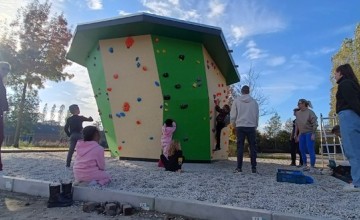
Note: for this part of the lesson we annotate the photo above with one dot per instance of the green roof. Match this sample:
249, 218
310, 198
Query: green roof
87, 36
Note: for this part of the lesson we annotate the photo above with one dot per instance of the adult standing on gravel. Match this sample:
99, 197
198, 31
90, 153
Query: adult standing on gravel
244, 116
348, 109
4, 70
306, 126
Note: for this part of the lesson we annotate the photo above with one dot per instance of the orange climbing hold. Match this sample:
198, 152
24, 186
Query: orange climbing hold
119, 147
109, 89
138, 122
126, 107
129, 42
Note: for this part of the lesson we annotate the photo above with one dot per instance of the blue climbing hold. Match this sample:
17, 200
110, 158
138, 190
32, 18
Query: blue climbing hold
157, 83
120, 114
111, 50
138, 64
139, 99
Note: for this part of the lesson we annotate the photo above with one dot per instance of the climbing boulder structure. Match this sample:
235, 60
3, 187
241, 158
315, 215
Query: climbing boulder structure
145, 69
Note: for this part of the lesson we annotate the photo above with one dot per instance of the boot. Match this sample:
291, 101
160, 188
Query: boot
56, 199
67, 191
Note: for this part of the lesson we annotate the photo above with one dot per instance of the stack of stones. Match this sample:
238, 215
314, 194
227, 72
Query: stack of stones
108, 208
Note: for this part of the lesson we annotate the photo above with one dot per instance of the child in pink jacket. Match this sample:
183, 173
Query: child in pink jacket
166, 137
89, 165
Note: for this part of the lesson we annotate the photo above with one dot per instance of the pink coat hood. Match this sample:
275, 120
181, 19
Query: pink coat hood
89, 156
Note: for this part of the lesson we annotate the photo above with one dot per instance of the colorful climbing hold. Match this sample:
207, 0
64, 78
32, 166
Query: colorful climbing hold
198, 61
129, 42
177, 86
165, 75
116, 76
137, 59
111, 50
123, 142
126, 107
157, 83
120, 114
138, 99
167, 97
110, 116
161, 106
109, 89
156, 40
166, 104
144, 68
181, 57
184, 106
194, 85
157, 51
138, 64
151, 138
164, 51
138, 122
185, 139
119, 147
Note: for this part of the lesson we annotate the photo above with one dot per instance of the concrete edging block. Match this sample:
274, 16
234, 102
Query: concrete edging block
31, 187
95, 195
288, 216
203, 210
6, 183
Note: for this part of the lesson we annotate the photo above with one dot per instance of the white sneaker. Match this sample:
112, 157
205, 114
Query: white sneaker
351, 188
306, 168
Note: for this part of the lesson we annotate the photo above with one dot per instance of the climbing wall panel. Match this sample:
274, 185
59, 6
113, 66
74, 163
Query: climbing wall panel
134, 90
94, 63
217, 89
184, 89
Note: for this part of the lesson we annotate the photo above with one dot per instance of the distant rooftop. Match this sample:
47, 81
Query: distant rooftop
87, 36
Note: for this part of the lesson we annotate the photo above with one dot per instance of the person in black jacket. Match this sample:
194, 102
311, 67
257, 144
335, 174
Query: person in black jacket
294, 144
175, 159
220, 121
73, 129
4, 70
348, 109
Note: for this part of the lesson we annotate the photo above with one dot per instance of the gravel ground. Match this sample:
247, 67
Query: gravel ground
215, 183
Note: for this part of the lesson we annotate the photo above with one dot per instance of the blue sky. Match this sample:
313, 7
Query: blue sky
289, 43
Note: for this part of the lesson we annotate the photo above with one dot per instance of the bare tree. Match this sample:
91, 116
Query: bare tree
52, 113
61, 113
44, 113
251, 79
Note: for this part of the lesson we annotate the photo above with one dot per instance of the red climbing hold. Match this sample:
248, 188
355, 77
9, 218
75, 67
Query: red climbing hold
144, 68
129, 42
138, 122
119, 147
116, 76
218, 94
126, 107
109, 89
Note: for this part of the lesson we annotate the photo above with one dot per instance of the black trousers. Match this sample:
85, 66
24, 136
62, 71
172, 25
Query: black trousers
219, 127
294, 148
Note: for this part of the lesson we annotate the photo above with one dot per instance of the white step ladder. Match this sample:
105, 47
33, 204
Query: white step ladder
330, 143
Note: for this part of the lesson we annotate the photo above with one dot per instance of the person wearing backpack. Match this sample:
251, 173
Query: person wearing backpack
222, 120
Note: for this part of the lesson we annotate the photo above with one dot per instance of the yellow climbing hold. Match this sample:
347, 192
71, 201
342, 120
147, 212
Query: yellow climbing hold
194, 85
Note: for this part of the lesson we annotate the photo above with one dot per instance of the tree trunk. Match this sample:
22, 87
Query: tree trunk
20, 115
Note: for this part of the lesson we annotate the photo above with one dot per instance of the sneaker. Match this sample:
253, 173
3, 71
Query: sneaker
306, 168
300, 166
253, 170
238, 170
293, 164
351, 188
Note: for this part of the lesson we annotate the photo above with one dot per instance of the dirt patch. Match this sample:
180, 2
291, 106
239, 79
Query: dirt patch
21, 206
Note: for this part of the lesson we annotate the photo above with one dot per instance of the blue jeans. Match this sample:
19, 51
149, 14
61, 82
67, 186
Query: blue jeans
250, 134
350, 137
307, 145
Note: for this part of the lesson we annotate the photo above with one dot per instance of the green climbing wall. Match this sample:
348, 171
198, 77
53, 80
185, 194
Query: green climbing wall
184, 87
96, 73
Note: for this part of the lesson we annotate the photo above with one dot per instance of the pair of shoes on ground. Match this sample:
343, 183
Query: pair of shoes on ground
351, 188
239, 170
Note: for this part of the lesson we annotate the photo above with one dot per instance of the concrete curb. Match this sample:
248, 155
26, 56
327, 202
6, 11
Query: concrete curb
188, 208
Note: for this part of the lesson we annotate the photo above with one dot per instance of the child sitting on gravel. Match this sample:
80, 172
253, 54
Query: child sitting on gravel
175, 157
167, 131
89, 165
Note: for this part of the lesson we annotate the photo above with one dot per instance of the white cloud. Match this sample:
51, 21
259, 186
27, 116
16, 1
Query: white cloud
95, 4
238, 19
276, 61
216, 8
253, 52
123, 13
321, 51
9, 8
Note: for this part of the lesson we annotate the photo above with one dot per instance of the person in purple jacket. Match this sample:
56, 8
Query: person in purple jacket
167, 130
89, 165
